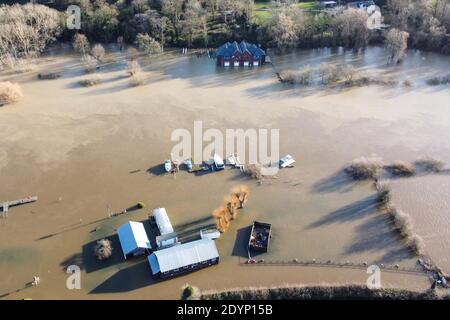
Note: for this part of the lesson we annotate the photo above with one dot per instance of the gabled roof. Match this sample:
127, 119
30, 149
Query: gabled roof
228, 49
182, 255
132, 236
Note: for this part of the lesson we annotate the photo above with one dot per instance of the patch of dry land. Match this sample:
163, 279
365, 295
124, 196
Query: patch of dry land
84, 149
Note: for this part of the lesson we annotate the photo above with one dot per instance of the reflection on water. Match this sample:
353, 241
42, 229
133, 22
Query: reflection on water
418, 65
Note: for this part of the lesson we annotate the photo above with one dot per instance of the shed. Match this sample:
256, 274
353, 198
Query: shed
183, 258
162, 221
133, 239
167, 240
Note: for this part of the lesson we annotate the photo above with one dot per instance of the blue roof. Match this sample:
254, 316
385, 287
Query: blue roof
132, 236
228, 49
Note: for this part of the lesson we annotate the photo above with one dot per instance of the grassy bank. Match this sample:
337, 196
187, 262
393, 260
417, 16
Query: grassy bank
320, 292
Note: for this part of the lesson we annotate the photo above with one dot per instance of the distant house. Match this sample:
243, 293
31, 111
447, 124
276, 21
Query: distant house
183, 258
328, 4
167, 236
242, 54
133, 239
360, 4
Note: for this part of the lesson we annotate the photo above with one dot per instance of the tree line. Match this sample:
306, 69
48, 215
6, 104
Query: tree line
151, 24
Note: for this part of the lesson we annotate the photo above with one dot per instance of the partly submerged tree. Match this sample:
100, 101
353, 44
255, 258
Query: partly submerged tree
396, 44
147, 44
80, 43
9, 93
103, 249
284, 31
353, 28
98, 52
242, 193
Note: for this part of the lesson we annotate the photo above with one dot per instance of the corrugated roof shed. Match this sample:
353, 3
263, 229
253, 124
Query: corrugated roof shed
132, 236
182, 255
162, 221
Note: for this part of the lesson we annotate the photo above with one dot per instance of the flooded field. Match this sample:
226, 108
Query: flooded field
84, 150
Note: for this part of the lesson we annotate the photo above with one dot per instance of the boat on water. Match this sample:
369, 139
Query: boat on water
231, 160
287, 161
218, 162
168, 165
188, 164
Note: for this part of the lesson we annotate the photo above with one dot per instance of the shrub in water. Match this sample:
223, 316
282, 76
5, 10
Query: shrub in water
364, 168
401, 168
9, 93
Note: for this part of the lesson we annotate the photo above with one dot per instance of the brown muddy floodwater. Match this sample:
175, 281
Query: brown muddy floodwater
84, 149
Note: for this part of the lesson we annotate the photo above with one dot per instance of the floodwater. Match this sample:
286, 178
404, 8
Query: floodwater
84, 150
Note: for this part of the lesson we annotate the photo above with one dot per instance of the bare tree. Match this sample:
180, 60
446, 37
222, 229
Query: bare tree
348, 72
27, 29
89, 62
98, 52
80, 43
328, 73
396, 44
9, 93
133, 67
402, 10
284, 31
103, 249
241, 192
353, 28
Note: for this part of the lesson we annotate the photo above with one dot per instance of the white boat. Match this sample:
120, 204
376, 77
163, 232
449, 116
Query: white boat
167, 165
231, 160
188, 164
218, 161
238, 162
209, 234
287, 161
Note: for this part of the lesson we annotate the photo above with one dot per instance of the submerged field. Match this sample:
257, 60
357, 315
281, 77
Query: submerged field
82, 150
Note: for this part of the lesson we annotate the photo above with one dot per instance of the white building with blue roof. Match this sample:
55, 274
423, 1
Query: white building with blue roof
133, 239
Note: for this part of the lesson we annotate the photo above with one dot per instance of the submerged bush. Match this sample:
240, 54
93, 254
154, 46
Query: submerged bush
98, 52
103, 249
9, 93
89, 62
402, 222
364, 168
133, 67
401, 168
384, 195
254, 171
91, 81
407, 83
415, 243
435, 81
302, 76
137, 79
430, 164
